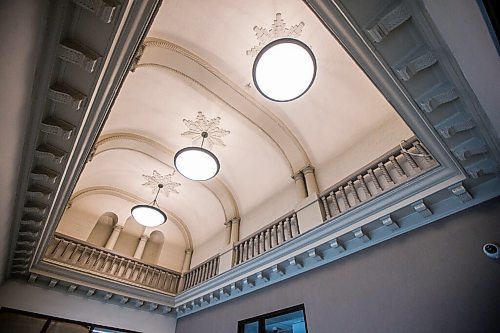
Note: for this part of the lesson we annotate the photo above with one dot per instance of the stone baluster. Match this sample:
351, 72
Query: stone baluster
133, 271
241, 248
355, 194
216, 269
385, 173
279, 229
75, 250
125, 269
263, 241
235, 256
112, 265
82, 255
250, 248
289, 224
187, 283
256, 244
326, 207
245, 250
364, 187
375, 181
96, 262
421, 150
347, 204
269, 237
296, 223
168, 278
139, 272
410, 160
89, 257
206, 271
196, 273
272, 236
397, 167
65, 249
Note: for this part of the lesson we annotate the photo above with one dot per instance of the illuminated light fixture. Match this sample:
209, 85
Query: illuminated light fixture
197, 163
149, 215
284, 70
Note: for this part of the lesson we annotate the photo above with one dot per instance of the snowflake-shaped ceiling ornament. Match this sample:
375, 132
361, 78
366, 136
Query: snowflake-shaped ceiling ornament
278, 30
157, 179
203, 126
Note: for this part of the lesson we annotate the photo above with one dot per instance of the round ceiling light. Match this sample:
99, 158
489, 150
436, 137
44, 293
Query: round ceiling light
196, 163
284, 70
149, 215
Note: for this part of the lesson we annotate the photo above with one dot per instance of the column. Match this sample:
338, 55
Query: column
110, 244
300, 185
235, 230
185, 268
140, 247
187, 260
312, 186
228, 231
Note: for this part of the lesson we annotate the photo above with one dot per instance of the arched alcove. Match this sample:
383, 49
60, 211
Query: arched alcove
102, 229
153, 247
129, 237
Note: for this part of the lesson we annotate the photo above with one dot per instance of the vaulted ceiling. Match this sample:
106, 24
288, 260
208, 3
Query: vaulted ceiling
194, 60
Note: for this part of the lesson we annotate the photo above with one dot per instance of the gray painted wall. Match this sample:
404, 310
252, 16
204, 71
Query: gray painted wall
434, 279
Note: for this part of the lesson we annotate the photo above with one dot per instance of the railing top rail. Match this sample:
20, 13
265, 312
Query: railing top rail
203, 263
283, 217
112, 253
372, 165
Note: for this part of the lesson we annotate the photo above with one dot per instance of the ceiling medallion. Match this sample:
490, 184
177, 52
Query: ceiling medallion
284, 67
278, 30
166, 181
198, 163
201, 125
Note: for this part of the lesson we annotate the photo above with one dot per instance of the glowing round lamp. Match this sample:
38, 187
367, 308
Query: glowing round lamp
149, 215
196, 163
284, 70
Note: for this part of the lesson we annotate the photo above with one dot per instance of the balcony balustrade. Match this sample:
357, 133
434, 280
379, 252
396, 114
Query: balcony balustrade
102, 262
202, 272
267, 238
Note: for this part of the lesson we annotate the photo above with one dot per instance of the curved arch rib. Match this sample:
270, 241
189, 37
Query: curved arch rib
157, 151
113, 191
167, 55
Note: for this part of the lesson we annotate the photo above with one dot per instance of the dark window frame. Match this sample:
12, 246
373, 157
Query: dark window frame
262, 318
52, 318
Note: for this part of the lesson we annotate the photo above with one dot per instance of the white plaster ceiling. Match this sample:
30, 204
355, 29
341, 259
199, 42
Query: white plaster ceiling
340, 124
